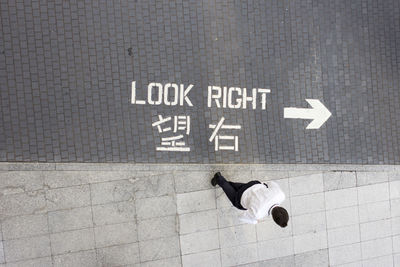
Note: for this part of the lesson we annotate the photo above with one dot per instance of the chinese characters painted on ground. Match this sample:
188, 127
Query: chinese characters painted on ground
217, 137
173, 142
182, 124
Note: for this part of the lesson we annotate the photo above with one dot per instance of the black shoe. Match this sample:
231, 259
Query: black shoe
214, 179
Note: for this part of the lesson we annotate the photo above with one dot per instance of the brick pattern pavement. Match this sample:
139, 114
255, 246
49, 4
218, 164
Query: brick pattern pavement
66, 69
81, 215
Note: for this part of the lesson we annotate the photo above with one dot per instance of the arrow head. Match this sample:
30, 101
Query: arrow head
321, 114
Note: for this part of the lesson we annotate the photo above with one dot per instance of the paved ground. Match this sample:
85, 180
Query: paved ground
88, 81
158, 215
66, 69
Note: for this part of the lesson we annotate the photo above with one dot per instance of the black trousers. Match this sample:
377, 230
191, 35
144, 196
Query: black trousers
234, 191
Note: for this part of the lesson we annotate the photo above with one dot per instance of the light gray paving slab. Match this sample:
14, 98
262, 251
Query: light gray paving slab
258, 263
177, 167
29, 166
237, 235
26, 248
373, 193
114, 191
344, 235
306, 223
394, 189
112, 213
25, 226
209, 258
196, 201
341, 198
396, 259
345, 254
307, 184
155, 207
299, 172
115, 234
380, 261
199, 242
102, 167
312, 258
275, 248
198, 221
339, 180
158, 228
396, 244
133, 174
72, 241
2, 259
22, 204
71, 219
233, 256
153, 186
375, 229
229, 217
267, 175
366, 178
170, 262
351, 264
395, 207
38, 262
394, 175
287, 261
159, 248
69, 197
56, 179
376, 248
4, 166
396, 226
307, 203
268, 229
374, 211
342, 217
12, 182
192, 181
119, 255
82, 258
310, 241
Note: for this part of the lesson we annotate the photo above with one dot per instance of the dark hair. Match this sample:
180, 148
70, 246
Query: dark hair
280, 216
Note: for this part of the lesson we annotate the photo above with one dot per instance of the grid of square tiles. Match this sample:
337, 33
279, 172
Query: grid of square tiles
88, 219
118, 218
337, 218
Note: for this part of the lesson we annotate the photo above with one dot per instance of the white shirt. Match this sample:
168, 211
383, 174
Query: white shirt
259, 199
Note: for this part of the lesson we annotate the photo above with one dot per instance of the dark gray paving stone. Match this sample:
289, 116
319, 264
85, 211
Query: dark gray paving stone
66, 69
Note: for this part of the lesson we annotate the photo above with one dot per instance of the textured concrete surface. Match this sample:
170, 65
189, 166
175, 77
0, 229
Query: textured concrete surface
160, 215
66, 69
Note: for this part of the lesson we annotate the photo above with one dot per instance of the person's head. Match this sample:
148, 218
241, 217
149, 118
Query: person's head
280, 216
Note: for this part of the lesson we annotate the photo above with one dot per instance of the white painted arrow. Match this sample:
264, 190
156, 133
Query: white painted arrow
318, 113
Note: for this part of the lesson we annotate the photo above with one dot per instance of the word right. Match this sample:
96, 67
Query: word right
236, 97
